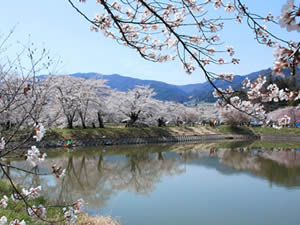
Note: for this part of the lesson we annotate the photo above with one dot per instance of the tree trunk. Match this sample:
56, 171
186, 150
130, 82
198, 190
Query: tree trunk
82, 120
160, 156
70, 122
161, 122
133, 118
100, 120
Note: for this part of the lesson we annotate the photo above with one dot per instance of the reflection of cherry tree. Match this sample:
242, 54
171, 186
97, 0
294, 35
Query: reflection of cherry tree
289, 159
98, 178
279, 167
241, 161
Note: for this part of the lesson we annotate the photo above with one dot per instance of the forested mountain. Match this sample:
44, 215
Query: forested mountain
204, 93
122, 83
201, 92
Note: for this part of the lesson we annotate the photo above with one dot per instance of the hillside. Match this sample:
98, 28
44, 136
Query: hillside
192, 93
203, 92
164, 91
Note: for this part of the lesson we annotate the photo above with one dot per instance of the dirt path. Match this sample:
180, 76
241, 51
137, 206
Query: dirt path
189, 131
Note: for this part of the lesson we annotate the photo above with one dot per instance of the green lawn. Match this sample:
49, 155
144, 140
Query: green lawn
122, 132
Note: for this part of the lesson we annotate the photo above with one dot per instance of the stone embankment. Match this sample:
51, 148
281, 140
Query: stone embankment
280, 138
148, 140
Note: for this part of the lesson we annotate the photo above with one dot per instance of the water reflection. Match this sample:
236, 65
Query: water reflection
279, 166
98, 176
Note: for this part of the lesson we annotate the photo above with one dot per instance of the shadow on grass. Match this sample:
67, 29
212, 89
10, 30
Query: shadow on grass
237, 130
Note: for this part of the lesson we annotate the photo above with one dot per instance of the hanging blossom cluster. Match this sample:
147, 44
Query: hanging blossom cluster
289, 18
226, 76
78, 206
70, 213
257, 94
163, 31
3, 202
3, 220
252, 109
34, 156
286, 52
219, 92
40, 131
17, 222
39, 212
58, 171
286, 57
257, 91
31, 193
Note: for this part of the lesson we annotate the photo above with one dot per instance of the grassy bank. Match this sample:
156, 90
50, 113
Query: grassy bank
256, 130
269, 130
16, 210
79, 133
117, 132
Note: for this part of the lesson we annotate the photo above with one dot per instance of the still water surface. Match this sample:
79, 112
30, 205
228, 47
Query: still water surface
180, 184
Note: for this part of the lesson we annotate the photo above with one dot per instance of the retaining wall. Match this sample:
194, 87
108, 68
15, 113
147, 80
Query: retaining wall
121, 141
280, 138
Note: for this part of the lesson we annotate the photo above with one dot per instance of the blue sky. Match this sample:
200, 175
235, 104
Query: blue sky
53, 24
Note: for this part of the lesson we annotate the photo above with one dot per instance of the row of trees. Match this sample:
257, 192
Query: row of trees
66, 101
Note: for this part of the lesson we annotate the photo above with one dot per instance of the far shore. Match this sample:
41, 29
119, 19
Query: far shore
78, 137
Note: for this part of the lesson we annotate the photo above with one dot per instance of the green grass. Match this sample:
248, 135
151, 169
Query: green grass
122, 132
79, 133
270, 130
234, 130
17, 210
256, 130
269, 145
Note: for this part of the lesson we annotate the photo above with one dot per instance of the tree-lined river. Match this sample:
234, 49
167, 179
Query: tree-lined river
179, 184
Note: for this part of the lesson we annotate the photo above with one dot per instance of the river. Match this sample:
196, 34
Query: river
178, 184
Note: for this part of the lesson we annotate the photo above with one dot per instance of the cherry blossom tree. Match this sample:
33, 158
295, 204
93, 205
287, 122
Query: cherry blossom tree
65, 95
165, 112
99, 101
22, 98
234, 117
136, 104
190, 116
90, 92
